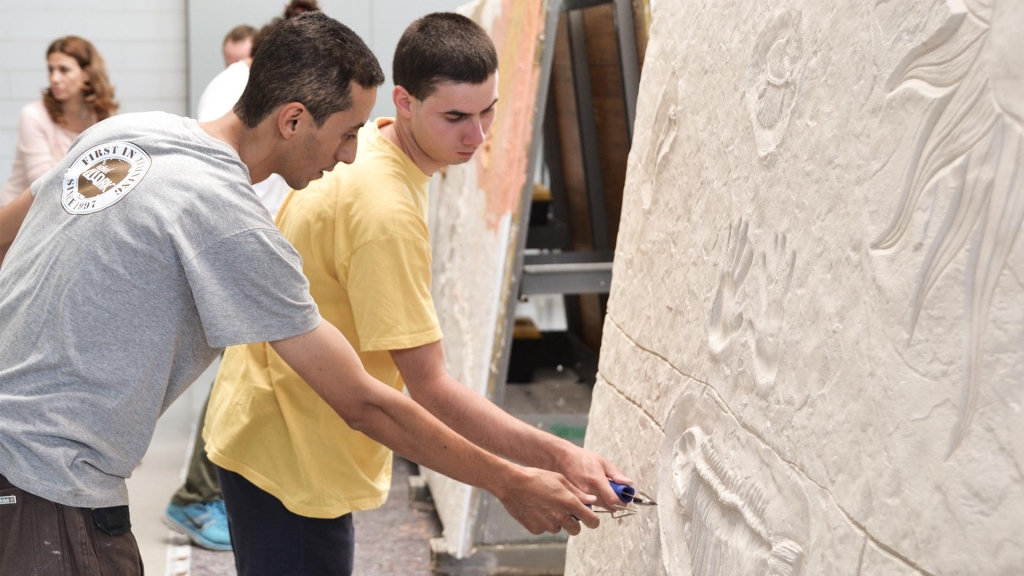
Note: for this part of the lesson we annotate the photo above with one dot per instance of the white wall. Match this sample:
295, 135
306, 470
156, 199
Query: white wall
143, 42
161, 53
209, 22
379, 22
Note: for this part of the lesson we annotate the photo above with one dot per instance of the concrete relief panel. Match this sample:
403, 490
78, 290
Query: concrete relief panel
727, 502
821, 232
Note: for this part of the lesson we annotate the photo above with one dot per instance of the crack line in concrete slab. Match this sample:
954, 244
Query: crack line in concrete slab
636, 404
860, 559
725, 407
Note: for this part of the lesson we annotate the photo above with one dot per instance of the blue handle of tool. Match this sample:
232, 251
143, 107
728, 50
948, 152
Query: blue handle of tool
625, 493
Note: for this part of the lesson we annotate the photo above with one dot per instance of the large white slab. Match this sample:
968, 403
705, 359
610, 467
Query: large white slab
821, 231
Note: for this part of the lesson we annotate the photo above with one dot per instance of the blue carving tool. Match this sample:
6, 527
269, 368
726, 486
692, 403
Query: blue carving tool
628, 495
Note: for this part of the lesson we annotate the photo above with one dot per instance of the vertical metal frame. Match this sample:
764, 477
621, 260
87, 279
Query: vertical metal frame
553, 159
588, 131
629, 60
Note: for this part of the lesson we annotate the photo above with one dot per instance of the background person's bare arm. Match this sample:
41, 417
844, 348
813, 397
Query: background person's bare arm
539, 500
490, 427
11, 217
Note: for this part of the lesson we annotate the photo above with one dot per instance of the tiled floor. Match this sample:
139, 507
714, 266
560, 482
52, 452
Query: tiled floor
390, 541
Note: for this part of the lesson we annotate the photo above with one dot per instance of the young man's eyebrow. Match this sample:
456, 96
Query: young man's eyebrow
461, 113
358, 126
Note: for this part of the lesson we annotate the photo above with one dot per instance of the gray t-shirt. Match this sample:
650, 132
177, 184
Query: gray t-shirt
145, 253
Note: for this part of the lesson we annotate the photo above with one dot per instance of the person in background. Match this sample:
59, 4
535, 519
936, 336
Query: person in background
197, 508
238, 44
78, 97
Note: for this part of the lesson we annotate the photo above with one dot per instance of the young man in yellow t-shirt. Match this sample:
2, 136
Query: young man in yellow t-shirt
291, 470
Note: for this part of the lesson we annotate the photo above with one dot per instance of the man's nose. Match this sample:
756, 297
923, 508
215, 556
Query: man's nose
474, 135
347, 154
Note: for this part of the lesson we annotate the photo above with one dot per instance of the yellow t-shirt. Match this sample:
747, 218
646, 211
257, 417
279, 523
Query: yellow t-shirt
362, 234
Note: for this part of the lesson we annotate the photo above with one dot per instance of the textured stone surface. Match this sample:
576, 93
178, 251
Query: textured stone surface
817, 294
475, 218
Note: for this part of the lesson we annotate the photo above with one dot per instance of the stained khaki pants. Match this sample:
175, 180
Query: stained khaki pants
43, 538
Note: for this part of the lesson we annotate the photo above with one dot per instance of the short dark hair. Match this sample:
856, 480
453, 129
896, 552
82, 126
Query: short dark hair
293, 9
239, 33
262, 35
442, 47
296, 7
311, 59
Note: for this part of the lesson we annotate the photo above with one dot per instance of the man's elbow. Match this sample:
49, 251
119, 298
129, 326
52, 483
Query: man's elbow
359, 415
360, 422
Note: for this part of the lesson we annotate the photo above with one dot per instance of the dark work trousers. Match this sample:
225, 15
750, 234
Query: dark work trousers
42, 538
270, 540
201, 483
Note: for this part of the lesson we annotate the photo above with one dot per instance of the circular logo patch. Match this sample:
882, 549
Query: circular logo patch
102, 176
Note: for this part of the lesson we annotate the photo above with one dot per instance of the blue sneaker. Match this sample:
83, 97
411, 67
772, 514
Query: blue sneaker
205, 523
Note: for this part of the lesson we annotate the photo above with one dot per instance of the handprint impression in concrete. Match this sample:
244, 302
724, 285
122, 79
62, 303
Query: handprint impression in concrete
722, 515
974, 68
726, 316
777, 267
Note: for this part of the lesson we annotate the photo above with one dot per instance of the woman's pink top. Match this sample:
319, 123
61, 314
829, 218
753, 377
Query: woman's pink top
41, 144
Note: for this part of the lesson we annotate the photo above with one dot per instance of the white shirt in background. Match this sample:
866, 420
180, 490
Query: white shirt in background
218, 99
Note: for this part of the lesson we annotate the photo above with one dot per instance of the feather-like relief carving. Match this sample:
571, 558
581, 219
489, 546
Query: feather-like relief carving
972, 67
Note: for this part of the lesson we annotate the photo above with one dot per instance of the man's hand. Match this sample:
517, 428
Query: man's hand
545, 501
590, 473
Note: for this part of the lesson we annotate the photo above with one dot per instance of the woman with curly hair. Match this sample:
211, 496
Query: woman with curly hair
78, 97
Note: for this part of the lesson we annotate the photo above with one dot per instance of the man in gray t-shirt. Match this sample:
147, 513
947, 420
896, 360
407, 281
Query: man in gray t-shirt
129, 266
137, 264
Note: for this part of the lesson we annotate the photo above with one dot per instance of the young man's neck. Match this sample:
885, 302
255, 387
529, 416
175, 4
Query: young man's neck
250, 143
400, 134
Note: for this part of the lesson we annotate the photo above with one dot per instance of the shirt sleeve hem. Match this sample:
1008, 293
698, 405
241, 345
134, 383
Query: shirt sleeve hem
402, 342
235, 340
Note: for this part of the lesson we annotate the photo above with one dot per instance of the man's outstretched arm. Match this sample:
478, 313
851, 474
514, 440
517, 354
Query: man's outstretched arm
538, 499
490, 427
11, 217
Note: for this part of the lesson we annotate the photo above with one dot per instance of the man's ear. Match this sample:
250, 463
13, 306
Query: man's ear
403, 101
288, 118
